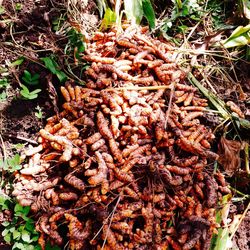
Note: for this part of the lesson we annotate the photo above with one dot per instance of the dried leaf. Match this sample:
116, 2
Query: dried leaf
229, 152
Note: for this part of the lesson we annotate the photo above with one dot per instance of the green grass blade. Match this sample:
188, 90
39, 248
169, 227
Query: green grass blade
148, 12
217, 102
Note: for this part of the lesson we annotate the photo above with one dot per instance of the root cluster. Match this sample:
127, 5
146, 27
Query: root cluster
126, 164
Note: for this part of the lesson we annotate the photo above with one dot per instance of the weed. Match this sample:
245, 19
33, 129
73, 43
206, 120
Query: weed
39, 112
76, 43
21, 230
18, 6
30, 79
11, 164
29, 95
18, 62
109, 19
240, 37
57, 23
4, 84
182, 14
54, 68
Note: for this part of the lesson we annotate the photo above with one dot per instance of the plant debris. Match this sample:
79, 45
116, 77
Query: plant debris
125, 168
229, 151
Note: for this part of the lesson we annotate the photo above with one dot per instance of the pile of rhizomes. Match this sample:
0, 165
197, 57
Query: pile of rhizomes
126, 163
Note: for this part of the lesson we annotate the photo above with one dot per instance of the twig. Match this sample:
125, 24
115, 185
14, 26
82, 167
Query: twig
3, 147
169, 105
111, 219
23, 139
247, 157
141, 88
241, 219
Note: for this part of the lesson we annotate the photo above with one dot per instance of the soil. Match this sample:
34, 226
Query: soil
242, 236
17, 116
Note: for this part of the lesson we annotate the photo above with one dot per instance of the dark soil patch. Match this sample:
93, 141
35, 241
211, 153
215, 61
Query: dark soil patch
20, 119
242, 235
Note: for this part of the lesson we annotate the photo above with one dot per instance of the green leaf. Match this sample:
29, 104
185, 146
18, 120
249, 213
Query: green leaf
149, 13
35, 91
5, 232
53, 67
4, 201
24, 88
14, 161
6, 223
50, 64
18, 208
4, 83
30, 79
35, 238
25, 94
2, 10
16, 234
26, 210
244, 123
18, 62
17, 245
7, 237
185, 11
31, 97
30, 225
61, 76
109, 19
35, 77
27, 75
37, 247
216, 101
13, 164
19, 146
222, 239
26, 236
3, 96
49, 247
14, 220
179, 4
19, 6
29, 247
133, 10
240, 37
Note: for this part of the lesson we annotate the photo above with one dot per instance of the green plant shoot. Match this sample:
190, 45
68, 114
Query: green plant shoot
53, 67
30, 79
29, 95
